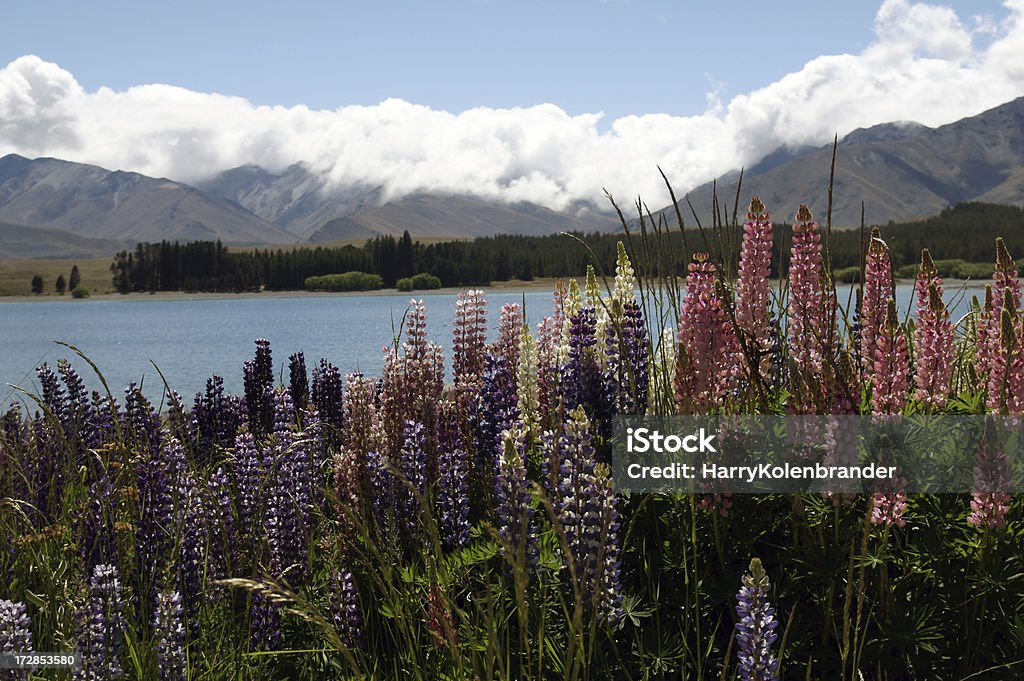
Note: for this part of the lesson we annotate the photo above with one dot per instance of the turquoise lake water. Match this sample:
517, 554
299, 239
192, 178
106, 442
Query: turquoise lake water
192, 339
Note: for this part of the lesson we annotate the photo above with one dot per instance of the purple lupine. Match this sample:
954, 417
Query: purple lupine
452, 485
169, 637
101, 626
15, 632
709, 352
142, 421
514, 514
288, 511
98, 540
382, 493
103, 422
878, 289
812, 301
298, 381
628, 376
328, 394
755, 630
496, 410
178, 422
158, 479
264, 623
249, 481
413, 467
78, 413
933, 338
192, 550
216, 418
259, 385
580, 378
54, 396
223, 537
753, 294
585, 507
345, 610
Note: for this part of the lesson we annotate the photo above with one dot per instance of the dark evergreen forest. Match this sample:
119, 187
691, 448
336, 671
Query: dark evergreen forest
966, 232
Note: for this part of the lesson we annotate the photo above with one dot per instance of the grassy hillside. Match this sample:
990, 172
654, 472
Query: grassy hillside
16, 275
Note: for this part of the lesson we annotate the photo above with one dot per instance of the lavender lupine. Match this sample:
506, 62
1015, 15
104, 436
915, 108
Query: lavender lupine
142, 420
158, 479
514, 514
709, 353
812, 303
452, 485
15, 633
328, 394
549, 335
581, 380
78, 415
753, 294
423, 365
249, 481
345, 610
259, 384
298, 381
101, 627
169, 638
469, 340
755, 630
510, 325
878, 289
933, 338
628, 376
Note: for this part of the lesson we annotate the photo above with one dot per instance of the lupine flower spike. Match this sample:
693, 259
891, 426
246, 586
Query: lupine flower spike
755, 631
933, 338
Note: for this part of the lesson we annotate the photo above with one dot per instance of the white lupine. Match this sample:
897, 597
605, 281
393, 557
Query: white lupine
526, 384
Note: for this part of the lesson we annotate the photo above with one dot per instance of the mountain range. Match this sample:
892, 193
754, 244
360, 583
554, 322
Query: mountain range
900, 170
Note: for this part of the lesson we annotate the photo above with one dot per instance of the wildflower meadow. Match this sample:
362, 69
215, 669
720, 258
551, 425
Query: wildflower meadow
455, 517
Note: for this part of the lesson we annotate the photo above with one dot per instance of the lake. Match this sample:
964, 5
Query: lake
191, 339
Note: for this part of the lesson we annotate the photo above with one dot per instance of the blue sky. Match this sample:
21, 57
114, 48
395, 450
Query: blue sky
447, 96
616, 56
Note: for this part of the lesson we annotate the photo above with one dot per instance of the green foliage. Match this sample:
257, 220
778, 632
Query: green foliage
37, 284
61, 285
349, 281
404, 284
80, 292
419, 282
76, 278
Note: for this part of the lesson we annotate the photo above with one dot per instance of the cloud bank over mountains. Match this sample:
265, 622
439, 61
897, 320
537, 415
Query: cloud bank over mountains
926, 64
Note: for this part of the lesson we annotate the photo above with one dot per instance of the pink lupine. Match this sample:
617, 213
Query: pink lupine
510, 328
888, 509
753, 296
983, 341
709, 352
891, 367
889, 382
933, 338
990, 502
470, 336
878, 288
1003, 293
1006, 366
812, 304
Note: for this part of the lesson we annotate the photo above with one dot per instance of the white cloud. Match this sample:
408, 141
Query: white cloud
925, 64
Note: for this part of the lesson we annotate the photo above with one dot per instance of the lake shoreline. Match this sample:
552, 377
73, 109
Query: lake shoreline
540, 284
